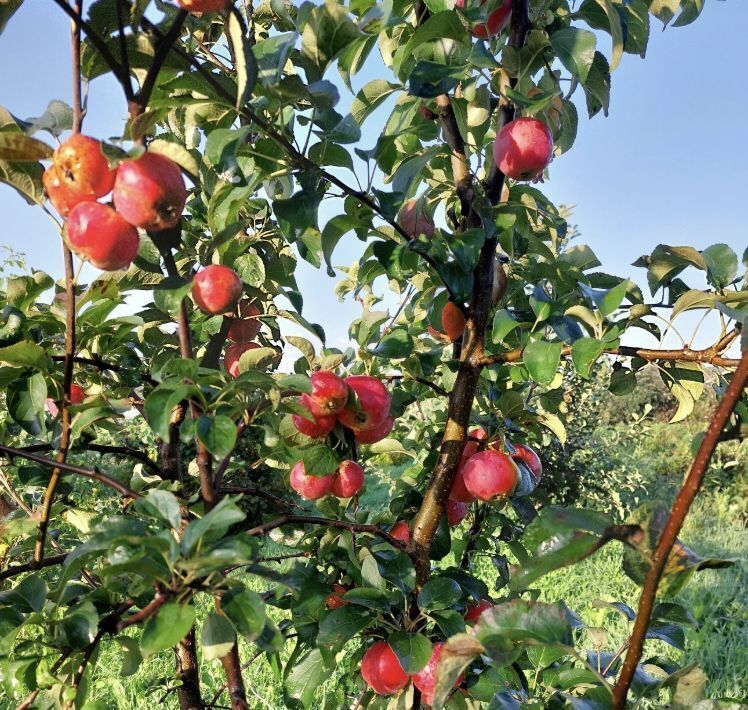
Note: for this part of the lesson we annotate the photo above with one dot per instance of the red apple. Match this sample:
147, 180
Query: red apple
348, 480
371, 436
77, 395
401, 531
309, 487
216, 289
329, 393
321, 426
96, 233
233, 354
459, 491
149, 192
526, 455
523, 148
199, 6
414, 220
489, 474
79, 172
373, 402
334, 599
425, 679
456, 512
496, 21
245, 328
382, 671
474, 611
453, 321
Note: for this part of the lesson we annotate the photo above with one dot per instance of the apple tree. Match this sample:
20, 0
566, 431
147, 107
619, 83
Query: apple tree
152, 457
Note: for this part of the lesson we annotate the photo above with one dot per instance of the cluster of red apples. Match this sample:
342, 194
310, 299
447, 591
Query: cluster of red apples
383, 673
148, 192
366, 413
381, 668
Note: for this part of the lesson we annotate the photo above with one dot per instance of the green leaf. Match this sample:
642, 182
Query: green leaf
505, 628
328, 30
27, 596
575, 49
79, 626
246, 611
131, 655
613, 26
370, 97
19, 147
258, 359
412, 650
7, 9
305, 677
25, 354
439, 593
244, 60
693, 299
503, 324
584, 353
160, 403
541, 359
167, 628
609, 300
342, 624
721, 264
444, 25
176, 153
319, 460
217, 637
218, 434
396, 345
161, 505
212, 525
25, 178
25, 399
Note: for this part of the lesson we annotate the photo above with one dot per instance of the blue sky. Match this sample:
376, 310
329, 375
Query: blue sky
669, 165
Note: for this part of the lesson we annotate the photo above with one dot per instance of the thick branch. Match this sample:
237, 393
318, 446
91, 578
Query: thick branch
328, 522
122, 489
678, 514
149, 610
463, 393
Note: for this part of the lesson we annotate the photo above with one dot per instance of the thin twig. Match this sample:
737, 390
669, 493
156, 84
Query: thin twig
122, 489
675, 521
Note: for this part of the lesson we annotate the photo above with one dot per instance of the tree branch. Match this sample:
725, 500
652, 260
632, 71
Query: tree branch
122, 489
678, 514
464, 390
101, 365
259, 493
33, 566
330, 523
105, 449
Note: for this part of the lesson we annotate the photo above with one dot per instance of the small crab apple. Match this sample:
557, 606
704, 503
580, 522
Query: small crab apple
372, 436
348, 480
453, 321
79, 172
456, 512
247, 326
321, 426
334, 599
233, 354
307, 486
401, 531
373, 403
329, 393
382, 671
97, 233
496, 21
216, 289
425, 679
489, 474
528, 456
199, 6
149, 192
474, 611
414, 220
523, 148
